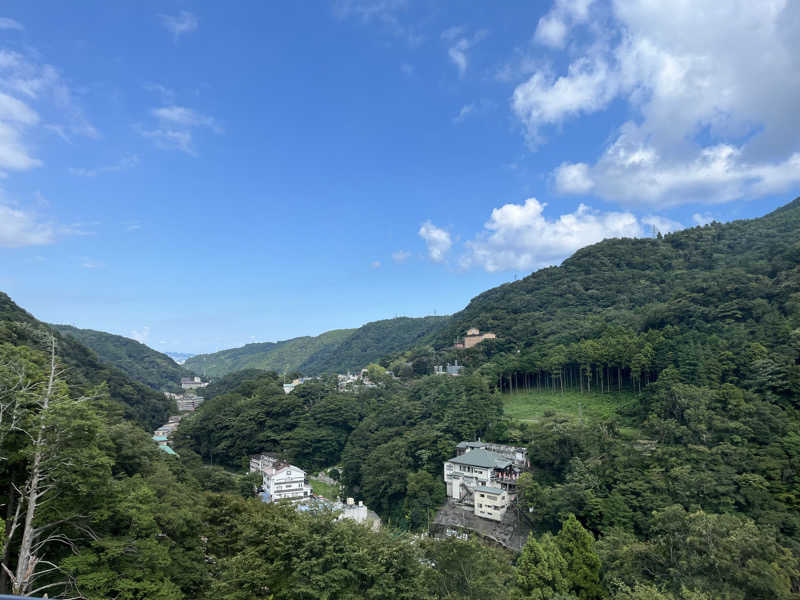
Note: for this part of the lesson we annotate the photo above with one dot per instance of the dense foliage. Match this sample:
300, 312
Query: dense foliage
371, 342
336, 351
284, 357
141, 363
689, 492
84, 369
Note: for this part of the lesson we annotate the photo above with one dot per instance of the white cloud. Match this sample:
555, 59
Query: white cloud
6, 23
459, 44
20, 228
547, 100
183, 22
28, 90
702, 218
169, 139
141, 335
125, 163
176, 127
384, 13
167, 94
185, 117
553, 27
519, 236
375, 264
662, 224
400, 256
463, 113
573, 178
709, 119
89, 263
436, 239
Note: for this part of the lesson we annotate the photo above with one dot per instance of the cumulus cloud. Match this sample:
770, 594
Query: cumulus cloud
573, 178
553, 27
20, 228
437, 240
702, 218
459, 43
697, 128
183, 22
520, 237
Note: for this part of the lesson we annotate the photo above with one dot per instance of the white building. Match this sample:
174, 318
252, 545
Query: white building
280, 480
188, 402
490, 502
192, 383
479, 467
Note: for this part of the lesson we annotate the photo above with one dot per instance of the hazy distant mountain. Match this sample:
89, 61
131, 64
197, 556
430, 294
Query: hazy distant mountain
179, 357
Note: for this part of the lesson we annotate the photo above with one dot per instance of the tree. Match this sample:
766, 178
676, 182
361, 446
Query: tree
541, 570
424, 494
577, 546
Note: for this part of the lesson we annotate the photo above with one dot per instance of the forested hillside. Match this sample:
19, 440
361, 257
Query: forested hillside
371, 342
285, 356
84, 369
335, 351
689, 489
141, 363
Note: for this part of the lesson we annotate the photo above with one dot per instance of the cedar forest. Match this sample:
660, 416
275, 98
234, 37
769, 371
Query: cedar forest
687, 489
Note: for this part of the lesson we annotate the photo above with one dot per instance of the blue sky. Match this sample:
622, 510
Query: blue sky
202, 175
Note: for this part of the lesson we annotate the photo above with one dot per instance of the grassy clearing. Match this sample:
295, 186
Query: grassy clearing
533, 406
320, 488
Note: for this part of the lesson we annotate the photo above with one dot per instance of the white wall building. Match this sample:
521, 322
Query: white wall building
490, 502
479, 467
192, 383
280, 480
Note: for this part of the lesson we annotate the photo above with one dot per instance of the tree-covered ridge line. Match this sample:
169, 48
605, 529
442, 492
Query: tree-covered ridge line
283, 356
335, 351
138, 361
635, 282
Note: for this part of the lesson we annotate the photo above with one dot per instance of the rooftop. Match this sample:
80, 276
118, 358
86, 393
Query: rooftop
481, 458
488, 490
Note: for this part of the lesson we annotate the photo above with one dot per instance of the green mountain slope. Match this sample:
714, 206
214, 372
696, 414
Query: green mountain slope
334, 351
137, 401
371, 342
281, 356
717, 273
140, 362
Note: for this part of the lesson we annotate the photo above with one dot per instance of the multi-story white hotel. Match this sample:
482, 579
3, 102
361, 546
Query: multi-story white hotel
280, 480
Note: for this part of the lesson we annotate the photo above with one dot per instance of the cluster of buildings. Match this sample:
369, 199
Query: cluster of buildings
484, 476
192, 383
162, 434
352, 381
289, 387
473, 338
453, 370
186, 402
283, 481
